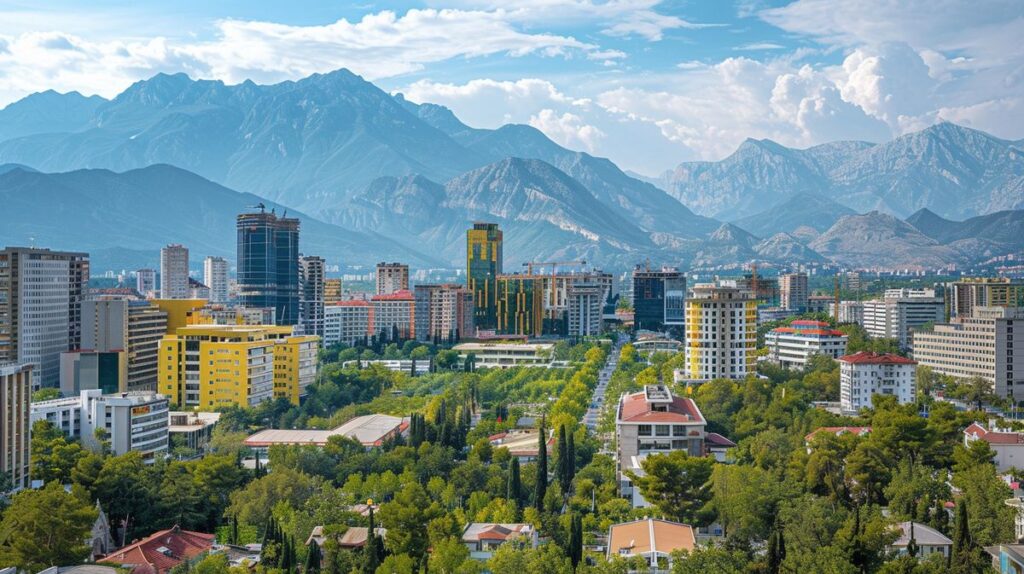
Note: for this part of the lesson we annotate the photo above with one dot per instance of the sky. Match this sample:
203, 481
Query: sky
647, 84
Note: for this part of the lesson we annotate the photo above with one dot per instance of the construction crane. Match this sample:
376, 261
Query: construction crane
554, 265
552, 294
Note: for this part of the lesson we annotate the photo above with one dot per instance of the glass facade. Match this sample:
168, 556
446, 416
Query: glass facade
268, 264
483, 265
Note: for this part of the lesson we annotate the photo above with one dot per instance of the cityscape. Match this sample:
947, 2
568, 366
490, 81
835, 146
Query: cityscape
285, 294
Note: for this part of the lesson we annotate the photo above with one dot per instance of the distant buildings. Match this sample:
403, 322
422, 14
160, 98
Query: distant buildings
192, 430
851, 312
83, 370
134, 327
659, 298
585, 309
522, 444
215, 276
41, 294
311, 298
443, 312
392, 277
348, 322
793, 291
653, 539
332, 291
537, 302
1007, 444
721, 332
979, 344
864, 374
268, 264
505, 355
15, 395
145, 281
901, 311
134, 421
174, 272
793, 346
483, 265
394, 316
655, 421
984, 292
208, 366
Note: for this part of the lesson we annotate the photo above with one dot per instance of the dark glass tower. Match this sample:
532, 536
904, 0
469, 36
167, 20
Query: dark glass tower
268, 264
483, 265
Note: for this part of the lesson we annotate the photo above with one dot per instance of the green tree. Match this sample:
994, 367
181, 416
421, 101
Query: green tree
406, 518
46, 527
704, 559
678, 484
53, 456
448, 555
541, 480
253, 504
125, 489
514, 489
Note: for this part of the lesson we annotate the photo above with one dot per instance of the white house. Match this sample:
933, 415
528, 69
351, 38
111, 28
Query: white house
864, 374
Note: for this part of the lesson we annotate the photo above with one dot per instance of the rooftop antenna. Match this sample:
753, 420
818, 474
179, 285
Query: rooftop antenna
259, 206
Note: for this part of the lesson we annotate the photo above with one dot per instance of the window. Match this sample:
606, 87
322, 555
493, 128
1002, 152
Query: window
662, 430
644, 430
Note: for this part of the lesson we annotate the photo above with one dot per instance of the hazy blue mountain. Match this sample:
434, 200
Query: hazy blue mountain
952, 170
47, 112
145, 209
801, 210
879, 240
1000, 228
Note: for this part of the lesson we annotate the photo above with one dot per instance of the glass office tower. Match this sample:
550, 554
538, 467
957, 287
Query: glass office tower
268, 264
483, 265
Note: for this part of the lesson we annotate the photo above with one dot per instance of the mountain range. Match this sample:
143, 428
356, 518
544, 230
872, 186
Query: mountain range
374, 176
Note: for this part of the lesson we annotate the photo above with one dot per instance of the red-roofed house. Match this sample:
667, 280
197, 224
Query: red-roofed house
483, 538
1008, 445
161, 551
656, 421
793, 346
864, 374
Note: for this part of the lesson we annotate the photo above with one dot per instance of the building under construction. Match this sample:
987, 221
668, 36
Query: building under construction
536, 302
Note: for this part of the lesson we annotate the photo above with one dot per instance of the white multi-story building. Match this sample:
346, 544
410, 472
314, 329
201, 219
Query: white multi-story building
134, 421
394, 314
793, 346
850, 312
721, 332
174, 272
215, 276
145, 282
311, 294
864, 374
979, 345
347, 322
444, 312
505, 355
15, 395
392, 277
585, 306
900, 312
793, 291
655, 421
41, 294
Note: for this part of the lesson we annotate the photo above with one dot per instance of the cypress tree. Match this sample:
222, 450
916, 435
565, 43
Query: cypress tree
912, 544
234, 529
313, 559
372, 550
571, 444
542, 468
962, 542
515, 484
563, 459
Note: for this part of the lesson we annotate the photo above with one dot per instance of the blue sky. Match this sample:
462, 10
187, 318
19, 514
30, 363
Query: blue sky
648, 84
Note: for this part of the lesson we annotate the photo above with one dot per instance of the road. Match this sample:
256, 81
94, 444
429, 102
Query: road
597, 400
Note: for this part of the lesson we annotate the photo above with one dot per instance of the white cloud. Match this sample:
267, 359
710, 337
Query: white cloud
487, 103
568, 130
757, 46
891, 83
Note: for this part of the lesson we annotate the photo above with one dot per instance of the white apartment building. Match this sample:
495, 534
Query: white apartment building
655, 421
41, 294
174, 272
585, 303
900, 312
864, 374
792, 347
215, 276
15, 395
145, 281
851, 312
347, 322
979, 345
721, 332
793, 291
392, 277
134, 421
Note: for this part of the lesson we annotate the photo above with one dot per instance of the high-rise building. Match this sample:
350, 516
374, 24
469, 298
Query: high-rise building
765, 289
134, 327
208, 366
83, 370
332, 291
443, 312
864, 374
215, 276
585, 308
41, 294
483, 265
519, 305
15, 396
174, 272
394, 316
348, 322
793, 291
311, 298
659, 298
268, 264
392, 277
979, 345
145, 281
851, 312
721, 332
985, 292
900, 311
